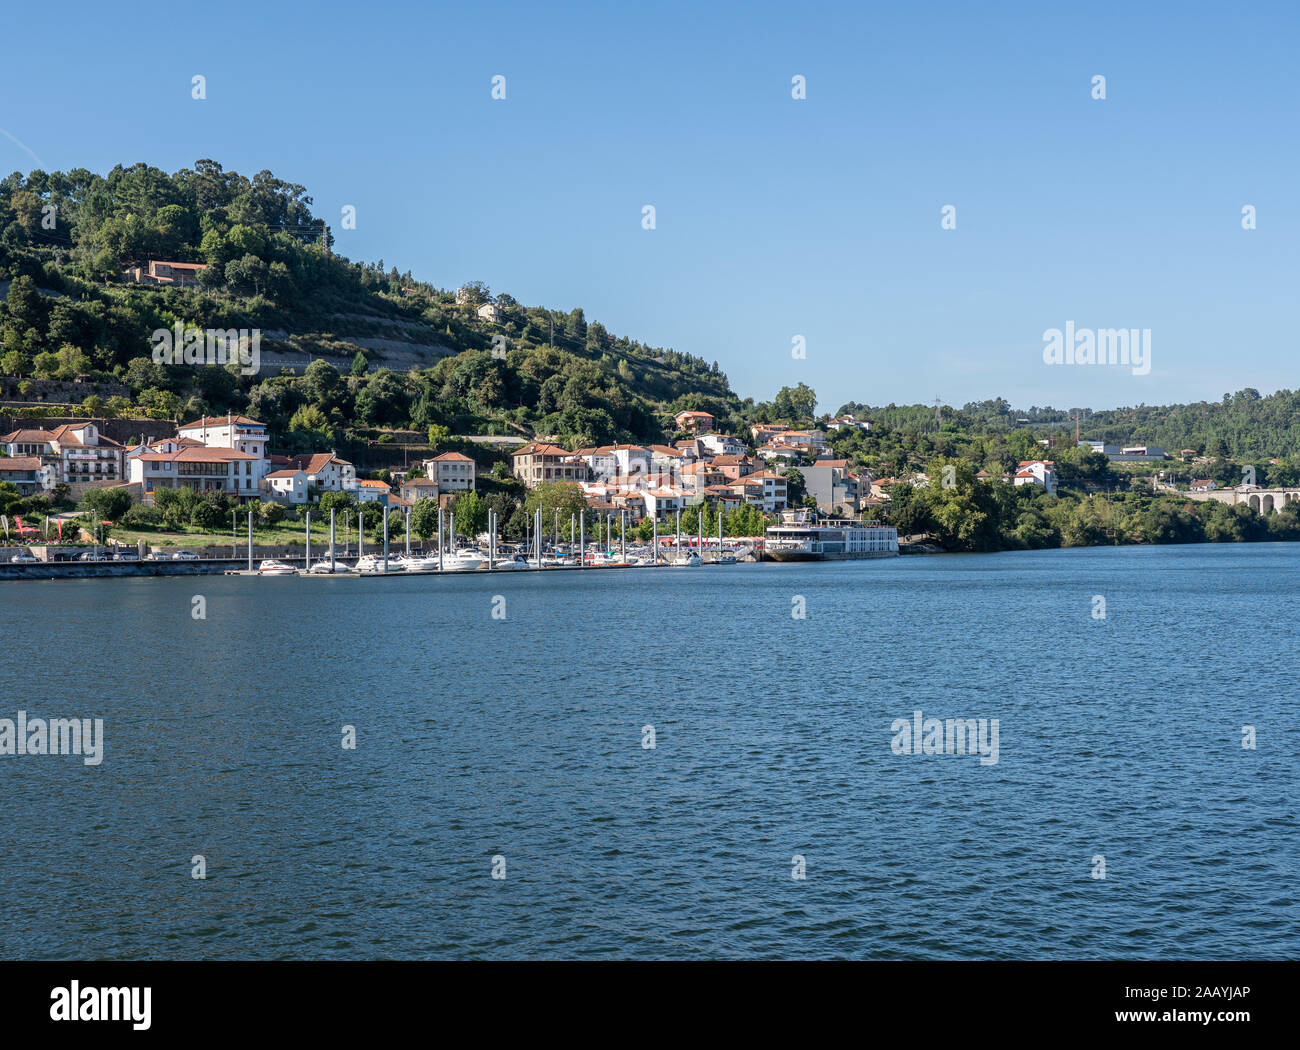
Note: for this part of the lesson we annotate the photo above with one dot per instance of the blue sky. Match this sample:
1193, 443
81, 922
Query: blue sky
775, 217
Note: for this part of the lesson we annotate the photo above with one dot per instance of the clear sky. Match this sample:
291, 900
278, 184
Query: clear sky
775, 217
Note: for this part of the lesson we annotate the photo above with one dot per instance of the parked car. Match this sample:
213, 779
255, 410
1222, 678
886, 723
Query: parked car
185, 556
90, 556
24, 559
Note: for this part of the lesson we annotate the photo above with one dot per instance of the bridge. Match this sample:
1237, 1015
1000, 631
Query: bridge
1262, 500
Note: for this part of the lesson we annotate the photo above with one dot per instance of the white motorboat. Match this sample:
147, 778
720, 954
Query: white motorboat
685, 560
271, 567
466, 560
325, 567
514, 561
374, 563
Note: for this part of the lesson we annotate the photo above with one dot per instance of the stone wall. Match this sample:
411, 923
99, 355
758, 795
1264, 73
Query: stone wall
127, 431
58, 391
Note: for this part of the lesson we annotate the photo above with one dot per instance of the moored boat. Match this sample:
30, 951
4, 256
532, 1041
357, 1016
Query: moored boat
799, 538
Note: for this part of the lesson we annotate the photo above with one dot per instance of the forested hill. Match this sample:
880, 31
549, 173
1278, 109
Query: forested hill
411, 354
1242, 426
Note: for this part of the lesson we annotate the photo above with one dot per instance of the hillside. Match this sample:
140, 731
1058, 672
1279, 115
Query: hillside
1244, 426
402, 352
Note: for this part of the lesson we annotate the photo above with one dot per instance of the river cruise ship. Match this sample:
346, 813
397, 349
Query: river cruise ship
799, 538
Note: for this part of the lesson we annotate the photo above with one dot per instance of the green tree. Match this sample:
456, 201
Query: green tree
424, 517
110, 503
565, 496
471, 514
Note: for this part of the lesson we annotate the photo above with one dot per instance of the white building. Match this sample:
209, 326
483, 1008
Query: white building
287, 486
326, 472
238, 433
76, 454
815, 438
452, 471
370, 491
203, 469
723, 445
663, 500
1036, 472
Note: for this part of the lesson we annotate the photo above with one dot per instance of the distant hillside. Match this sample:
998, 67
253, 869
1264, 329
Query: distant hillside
1242, 426
408, 354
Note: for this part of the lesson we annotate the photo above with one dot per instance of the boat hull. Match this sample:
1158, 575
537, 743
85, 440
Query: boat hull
837, 556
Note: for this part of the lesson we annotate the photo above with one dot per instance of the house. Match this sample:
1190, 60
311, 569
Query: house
847, 422
833, 485
228, 431
723, 445
326, 472
26, 473
660, 501
156, 271
733, 467
238, 433
200, 468
1204, 485
665, 459
367, 490
694, 421
765, 489
797, 438
539, 462
419, 488
723, 497
696, 477
287, 486
618, 461
764, 433
491, 312
1036, 472
782, 453
76, 454
27, 443
452, 471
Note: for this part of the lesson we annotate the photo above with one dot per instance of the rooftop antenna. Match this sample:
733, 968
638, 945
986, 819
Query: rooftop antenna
938, 419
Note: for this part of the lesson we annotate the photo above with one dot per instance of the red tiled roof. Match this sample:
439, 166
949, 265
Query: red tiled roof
27, 437
19, 463
218, 421
203, 454
534, 448
315, 462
